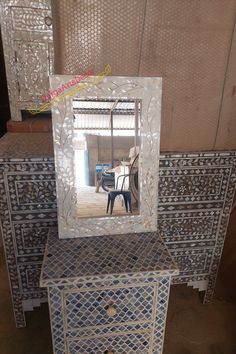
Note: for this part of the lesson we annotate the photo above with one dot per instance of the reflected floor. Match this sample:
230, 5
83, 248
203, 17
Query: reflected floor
92, 204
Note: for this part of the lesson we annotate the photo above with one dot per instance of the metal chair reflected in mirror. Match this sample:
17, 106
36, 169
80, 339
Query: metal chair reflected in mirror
130, 195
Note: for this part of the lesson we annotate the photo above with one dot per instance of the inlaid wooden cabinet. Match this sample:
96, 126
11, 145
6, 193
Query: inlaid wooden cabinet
27, 211
108, 294
196, 191
26, 28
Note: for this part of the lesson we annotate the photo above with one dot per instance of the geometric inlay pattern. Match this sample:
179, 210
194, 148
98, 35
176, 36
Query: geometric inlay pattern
25, 223
29, 276
31, 191
80, 319
144, 336
194, 261
79, 307
89, 308
192, 226
85, 257
196, 188
196, 191
137, 343
162, 306
31, 237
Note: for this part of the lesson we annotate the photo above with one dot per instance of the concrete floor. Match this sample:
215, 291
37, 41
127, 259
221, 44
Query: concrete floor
227, 273
35, 338
92, 204
192, 328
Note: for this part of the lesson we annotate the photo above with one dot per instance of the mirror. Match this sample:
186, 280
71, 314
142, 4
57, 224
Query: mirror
106, 134
106, 156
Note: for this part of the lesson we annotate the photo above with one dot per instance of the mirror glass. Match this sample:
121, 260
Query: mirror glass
106, 143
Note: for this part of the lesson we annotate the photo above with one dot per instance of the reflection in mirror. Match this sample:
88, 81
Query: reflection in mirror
106, 156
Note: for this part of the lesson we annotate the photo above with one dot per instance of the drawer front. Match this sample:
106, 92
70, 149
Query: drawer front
117, 344
92, 308
189, 226
30, 19
193, 184
29, 275
31, 192
193, 261
30, 237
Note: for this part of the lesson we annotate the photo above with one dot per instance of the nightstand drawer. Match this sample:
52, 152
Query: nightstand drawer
138, 343
108, 306
193, 185
194, 226
30, 237
192, 261
29, 277
31, 192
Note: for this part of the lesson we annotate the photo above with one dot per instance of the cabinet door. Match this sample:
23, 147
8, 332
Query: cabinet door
32, 69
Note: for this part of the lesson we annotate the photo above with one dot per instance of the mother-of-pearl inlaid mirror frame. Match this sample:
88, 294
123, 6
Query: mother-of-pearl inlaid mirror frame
146, 89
